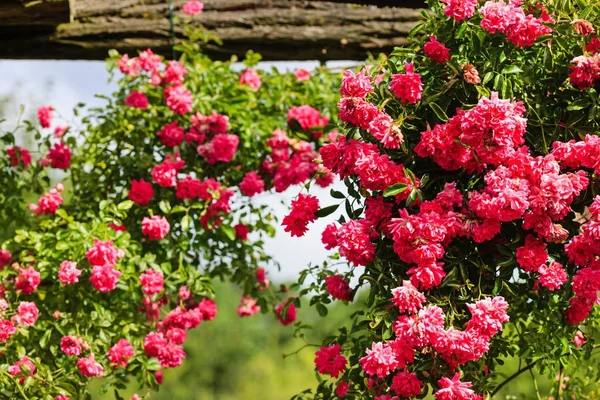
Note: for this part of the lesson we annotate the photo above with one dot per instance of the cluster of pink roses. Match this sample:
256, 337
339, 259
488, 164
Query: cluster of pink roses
534, 193
509, 19
292, 162
421, 328
59, 154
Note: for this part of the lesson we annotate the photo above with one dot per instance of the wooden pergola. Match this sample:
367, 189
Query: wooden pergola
278, 29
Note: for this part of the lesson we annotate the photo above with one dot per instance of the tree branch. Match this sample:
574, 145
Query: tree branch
513, 376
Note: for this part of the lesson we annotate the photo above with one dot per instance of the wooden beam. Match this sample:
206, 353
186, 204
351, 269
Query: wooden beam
279, 29
382, 3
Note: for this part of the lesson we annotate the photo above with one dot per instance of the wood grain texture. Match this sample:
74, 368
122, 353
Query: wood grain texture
279, 29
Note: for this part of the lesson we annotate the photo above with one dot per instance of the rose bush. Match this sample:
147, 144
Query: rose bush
104, 272
470, 162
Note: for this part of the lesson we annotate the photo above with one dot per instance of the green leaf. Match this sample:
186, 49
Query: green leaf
511, 69
185, 222
579, 104
323, 212
229, 231
125, 205
487, 77
441, 114
164, 206
322, 310
62, 246
395, 189
337, 195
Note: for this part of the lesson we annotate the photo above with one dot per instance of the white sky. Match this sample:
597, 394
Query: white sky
63, 84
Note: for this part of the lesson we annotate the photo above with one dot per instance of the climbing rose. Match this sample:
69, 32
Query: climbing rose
328, 360
176, 335
455, 389
18, 156
247, 307
459, 9
585, 72
120, 353
407, 298
129, 66
153, 342
68, 272
251, 78
104, 278
59, 156
252, 184
208, 308
338, 288
241, 231
44, 114
15, 369
5, 258
307, 117
89, 366
174, 72
290, 313
171, 134
7, 329
488, 315
28, 280
61, 397
179, 99
188, 188
60, 130
380, 360
171, 355
27, 313
303, 212
407, 87
579, 339
341, 389
594, 45
192, 7
221, 148
552, 276
583, 27
137, 100
71, 345
329, 236
302, 74
155, 228
104, 253
406, 384
152, 282
471, 74
355, 243
149, 61
49, 202
141, 192
436, 51
532, 255
356, 85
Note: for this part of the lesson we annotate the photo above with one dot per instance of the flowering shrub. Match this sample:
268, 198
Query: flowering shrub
104, 274
470, 162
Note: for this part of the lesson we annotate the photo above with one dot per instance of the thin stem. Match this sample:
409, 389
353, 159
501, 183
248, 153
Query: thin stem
535, 385
513, 376
561, 375
300, 349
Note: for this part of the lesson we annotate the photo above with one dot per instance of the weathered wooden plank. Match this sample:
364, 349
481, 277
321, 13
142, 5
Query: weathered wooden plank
279, 29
